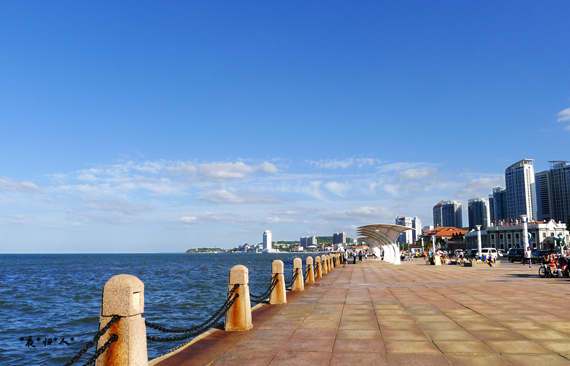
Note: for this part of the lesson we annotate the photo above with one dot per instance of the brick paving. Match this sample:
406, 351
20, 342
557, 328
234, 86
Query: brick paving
374, 313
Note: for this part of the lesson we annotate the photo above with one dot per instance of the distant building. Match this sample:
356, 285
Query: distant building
437, 214
559, 178
448, 213
543, 198
498, 204
406, 236
267, 244
417, 226
307, 241
339, 238
509, 234
452, 214
478, 213
521, 194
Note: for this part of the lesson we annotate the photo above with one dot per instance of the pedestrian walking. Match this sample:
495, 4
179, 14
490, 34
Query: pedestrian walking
528, 257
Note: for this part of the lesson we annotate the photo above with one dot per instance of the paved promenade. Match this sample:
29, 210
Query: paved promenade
374, 313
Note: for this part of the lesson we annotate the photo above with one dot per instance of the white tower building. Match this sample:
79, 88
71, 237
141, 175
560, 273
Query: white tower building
267, 248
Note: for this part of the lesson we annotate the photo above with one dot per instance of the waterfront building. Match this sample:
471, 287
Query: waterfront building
452, 214
437, 214
559, 178
406, 236
451, 237
267, 244
417, 226
498, 204
521, 193
543, 199
507, 234
308, 241
339, 238
478, 213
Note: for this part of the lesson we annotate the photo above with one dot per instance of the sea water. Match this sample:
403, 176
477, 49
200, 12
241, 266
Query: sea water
50, 303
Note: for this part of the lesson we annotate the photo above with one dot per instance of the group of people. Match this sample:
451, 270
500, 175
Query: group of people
348, 255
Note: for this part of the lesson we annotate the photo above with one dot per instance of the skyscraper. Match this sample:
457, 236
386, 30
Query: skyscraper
406, 236
339, 238
452, 214
498, 204
417, 226
267, 245
437, 214
543, 199
559, 179
521, 194
478, 212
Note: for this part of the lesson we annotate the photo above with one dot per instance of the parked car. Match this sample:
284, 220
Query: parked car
539, 255
515, 255
500, 253
489, 251
471, 254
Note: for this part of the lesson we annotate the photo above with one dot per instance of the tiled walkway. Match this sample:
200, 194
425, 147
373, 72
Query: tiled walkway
374, 313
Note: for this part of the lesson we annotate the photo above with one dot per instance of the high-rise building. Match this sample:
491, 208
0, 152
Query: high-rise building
543, 199
478, 212
437, 214
498, 204
406, 236
559, 179
452, 214
339, 238
267, 245
417, 226
307, 241
521, 193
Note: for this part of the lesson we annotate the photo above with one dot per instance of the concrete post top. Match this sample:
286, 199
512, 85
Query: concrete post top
309, 260
239, 275
297, 263
123, 295
323, 258
277, 266
317, 259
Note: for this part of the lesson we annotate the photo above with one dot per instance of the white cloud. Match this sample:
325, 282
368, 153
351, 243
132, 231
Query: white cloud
479, 187
312, 189
188, 219
223, 196
333, 164
362, 214
183, 169
277, 220
219, 172
564, 115
10, 185
413, 174
77, 224
337, 188
119, 206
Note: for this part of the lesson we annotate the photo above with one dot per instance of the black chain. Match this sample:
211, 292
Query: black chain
101, 350
307, 270
271, 287
261, 298
205, 324
91, 343
190, 335
289, 284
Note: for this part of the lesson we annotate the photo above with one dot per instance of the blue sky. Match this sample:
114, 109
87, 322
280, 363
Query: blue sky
161, 126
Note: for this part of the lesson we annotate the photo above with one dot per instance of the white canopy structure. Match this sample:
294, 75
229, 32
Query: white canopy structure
384, 235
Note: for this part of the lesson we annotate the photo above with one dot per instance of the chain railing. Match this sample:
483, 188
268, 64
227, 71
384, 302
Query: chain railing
91, 343
198, 329
295, 275
265, 295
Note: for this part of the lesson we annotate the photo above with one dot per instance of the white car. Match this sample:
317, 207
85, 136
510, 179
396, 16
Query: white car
490, 251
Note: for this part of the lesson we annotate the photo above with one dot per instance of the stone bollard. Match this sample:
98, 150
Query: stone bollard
324, 262
318, 267
309, 267
330, 263
299, 284
279, 294
238, 317
123, 295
